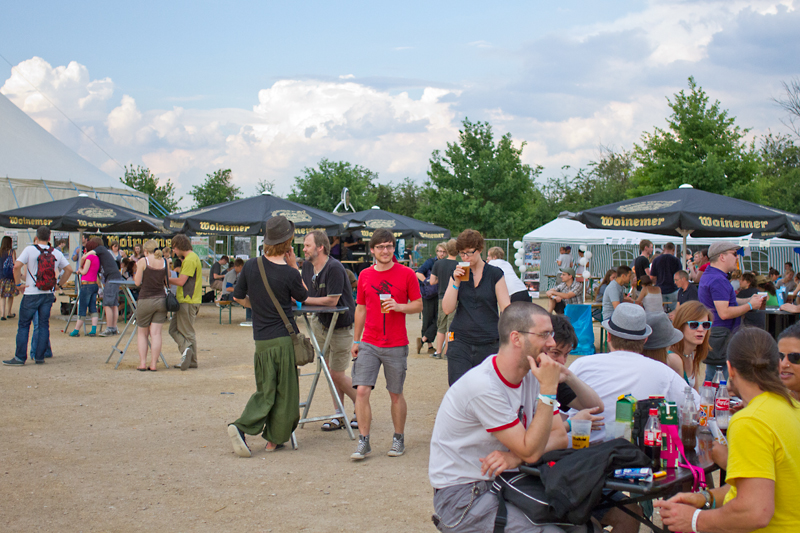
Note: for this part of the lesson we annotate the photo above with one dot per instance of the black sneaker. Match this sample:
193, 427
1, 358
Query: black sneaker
240, 447
39, 361
14, 362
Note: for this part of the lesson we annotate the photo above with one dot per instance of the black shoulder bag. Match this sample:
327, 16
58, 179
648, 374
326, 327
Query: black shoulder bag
172, 301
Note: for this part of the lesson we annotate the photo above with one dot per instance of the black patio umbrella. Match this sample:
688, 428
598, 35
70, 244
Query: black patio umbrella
80, 213
249, 217
403, 227
688, 211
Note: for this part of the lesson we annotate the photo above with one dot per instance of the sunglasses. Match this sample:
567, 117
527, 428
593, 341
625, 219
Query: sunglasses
794, 357
694, 324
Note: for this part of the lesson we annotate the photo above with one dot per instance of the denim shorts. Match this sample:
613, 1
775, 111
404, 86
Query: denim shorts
87, 299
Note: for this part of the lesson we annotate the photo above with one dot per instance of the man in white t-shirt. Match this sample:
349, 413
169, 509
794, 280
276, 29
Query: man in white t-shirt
37, 300
493, 418
517, 291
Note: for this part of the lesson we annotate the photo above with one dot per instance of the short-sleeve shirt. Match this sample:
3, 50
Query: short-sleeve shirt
640, 265
564, 396
230, 279
386, 330
575, 287
30, 258
190, 267
427, 267
108, 264
476, 313
216, 268
715, 287
332, 280
763, 439
479, 404
614, 293
566, 261
285, 283
94, 268
663, 268
688, 295
513, 283
443, 270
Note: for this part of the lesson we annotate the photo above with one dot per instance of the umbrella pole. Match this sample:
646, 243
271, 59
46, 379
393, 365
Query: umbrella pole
684, 233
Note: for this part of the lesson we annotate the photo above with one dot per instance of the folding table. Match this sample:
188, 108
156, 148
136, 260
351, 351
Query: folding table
126, 285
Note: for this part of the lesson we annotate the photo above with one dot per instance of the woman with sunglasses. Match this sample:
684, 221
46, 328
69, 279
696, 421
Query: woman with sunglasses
478, 302
789, 352
694, 321
763, 470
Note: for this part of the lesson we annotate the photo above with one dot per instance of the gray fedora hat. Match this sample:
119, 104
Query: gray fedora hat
279, 229
628, 322
664, 334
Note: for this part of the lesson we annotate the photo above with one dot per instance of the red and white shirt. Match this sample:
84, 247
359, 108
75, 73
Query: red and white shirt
479, 404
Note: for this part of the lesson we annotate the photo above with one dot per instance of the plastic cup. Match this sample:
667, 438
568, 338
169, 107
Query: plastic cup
615, 430
464, 265
581, 431
384, 297
299, 305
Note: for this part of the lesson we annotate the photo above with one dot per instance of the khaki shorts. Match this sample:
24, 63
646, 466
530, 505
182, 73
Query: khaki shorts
338, 355
368, 365
443, 321
151, 311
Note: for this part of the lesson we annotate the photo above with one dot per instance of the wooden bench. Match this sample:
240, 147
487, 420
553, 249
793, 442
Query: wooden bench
229, 305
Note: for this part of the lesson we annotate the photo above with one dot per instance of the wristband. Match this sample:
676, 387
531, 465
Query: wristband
569, 423
454, 286
694, 520
356, 342
552, 402
750, 305
551, 396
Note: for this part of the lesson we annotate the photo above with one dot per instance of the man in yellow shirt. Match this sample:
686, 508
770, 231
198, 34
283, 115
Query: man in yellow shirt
190, 294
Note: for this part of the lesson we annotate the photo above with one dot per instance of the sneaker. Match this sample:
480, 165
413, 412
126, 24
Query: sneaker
39, 361
184, 364
108, 332
398, 447
14, 362
362, 450
240, 447
74, 333
436, 355
246, 324
419, 345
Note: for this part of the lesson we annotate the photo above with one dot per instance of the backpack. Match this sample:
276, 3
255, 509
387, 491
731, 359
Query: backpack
428, 291
8, 267
640, 417
46, 269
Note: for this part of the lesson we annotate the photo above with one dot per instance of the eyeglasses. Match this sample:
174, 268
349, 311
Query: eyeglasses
694, 324
794, 357
467, 254
384, 247
544, 334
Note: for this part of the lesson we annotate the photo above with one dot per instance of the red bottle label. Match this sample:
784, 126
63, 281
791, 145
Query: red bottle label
723, 404
652, 438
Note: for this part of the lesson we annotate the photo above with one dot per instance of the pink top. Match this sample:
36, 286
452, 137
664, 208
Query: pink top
94, 268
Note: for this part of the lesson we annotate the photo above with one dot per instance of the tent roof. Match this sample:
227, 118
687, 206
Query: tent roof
28, 151
572, 232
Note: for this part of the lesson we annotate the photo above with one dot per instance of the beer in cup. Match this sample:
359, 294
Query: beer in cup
383, 298
765, 296
581, 430
464, 265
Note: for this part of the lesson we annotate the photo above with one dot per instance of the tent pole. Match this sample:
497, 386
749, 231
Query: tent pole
684, 233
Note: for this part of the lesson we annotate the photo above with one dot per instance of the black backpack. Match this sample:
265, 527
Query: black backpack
527, 493
640, 417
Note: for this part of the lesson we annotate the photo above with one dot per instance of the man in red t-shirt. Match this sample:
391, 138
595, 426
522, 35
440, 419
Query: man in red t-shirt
387, 292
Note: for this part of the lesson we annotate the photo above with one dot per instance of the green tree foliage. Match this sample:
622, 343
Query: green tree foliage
141, 179
480, 184
321, 187
265, 185
780, 172
216, 189
702, 147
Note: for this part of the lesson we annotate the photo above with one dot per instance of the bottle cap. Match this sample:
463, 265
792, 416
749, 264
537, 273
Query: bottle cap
706, 384
723, 382
653, 411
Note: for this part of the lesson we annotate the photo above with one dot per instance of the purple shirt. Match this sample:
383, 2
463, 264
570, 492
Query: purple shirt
714, 286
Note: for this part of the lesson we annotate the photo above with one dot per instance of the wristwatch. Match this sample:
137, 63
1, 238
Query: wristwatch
709, 499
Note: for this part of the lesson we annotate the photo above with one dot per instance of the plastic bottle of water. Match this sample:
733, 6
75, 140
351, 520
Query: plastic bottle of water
707, 397
722, 406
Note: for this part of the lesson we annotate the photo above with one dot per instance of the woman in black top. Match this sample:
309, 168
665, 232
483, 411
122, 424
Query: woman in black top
473, 335
274, 409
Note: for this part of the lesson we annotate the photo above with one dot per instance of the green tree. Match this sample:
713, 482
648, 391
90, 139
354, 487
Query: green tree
216, 189
477, 183
702, 147
141, 179
408, 198
780, 172
321, 187
265, 185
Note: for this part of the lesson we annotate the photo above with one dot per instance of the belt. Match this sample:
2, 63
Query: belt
88, 283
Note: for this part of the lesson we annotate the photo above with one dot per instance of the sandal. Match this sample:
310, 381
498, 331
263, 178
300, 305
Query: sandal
332, 425
277, 447
354, 422
12, 315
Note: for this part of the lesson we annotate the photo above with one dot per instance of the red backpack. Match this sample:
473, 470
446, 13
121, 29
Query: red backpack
46, 269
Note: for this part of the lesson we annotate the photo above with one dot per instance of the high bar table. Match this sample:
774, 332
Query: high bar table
126, 285
322, 366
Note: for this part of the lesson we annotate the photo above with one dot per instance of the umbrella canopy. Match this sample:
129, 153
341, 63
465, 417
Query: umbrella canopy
80, 213
249, 217
403, 227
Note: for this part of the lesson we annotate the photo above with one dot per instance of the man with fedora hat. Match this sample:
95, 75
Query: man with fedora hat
569, 291
717, 294
624, 370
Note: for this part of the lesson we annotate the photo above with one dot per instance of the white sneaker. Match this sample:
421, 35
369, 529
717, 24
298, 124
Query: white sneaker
240, 447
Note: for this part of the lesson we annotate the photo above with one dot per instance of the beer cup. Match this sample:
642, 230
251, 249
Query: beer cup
581, 431
465, 266
383, 298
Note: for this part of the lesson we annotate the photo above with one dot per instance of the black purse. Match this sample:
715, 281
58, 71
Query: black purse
172, 301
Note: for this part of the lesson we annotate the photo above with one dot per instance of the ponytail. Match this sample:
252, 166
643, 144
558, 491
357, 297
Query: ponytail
753, 353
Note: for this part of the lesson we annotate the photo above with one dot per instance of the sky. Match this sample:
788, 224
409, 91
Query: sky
269, 88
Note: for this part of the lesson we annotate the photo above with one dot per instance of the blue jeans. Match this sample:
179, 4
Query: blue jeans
712, 369
87, 298
48, 352
32, 304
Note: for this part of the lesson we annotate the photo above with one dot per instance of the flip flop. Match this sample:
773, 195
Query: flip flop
332, 425
142, 369
270, 450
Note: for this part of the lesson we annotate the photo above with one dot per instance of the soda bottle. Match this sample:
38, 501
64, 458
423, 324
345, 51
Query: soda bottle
689, 421
706, 405
652, 439
722, 406
718, 376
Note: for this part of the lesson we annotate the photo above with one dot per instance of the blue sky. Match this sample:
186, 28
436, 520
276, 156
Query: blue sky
269, 88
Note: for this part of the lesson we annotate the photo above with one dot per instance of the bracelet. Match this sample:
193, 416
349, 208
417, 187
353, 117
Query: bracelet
454, 286
356, 342
694, 520
750, 305
569, 423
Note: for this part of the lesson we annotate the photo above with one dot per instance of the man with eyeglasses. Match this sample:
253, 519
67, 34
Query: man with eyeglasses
327, 283
496, 416
717, 294
387, 292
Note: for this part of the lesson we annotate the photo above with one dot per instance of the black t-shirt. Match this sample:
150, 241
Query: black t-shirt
688, 295
564, 396
443, 270
331, 280
476, 314
663, 268
216, 268
285, 283
107, 263
640, 264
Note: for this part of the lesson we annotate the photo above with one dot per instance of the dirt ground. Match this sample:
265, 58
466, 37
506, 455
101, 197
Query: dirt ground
89, 448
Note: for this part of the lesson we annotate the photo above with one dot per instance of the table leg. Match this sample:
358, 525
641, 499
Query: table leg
131, 322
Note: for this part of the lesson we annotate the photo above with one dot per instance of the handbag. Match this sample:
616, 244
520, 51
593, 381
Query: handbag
527, 493
303, 350
172, 301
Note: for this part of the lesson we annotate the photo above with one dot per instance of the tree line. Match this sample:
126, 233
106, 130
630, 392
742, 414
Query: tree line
480, 182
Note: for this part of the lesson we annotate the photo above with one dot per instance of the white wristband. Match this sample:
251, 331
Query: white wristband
549, 401
694, 520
